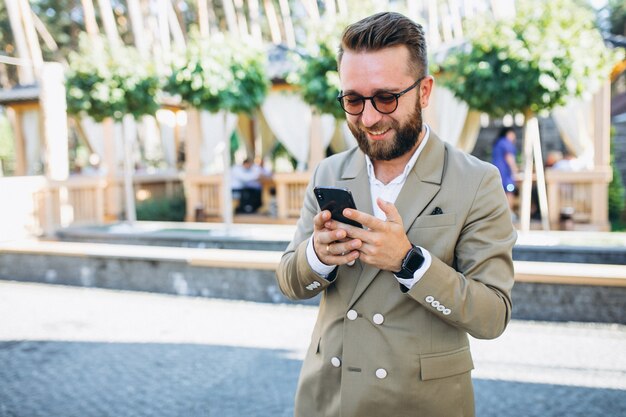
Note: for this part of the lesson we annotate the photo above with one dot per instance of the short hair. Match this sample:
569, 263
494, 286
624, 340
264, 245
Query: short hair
383, 30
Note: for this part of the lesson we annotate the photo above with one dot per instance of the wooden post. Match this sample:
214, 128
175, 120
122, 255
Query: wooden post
54, 121
531, 130
108, 21
192, 161
129, 127
602, 156
272, 21
25, 72
227, 198
203, 18
286, 14
109, 163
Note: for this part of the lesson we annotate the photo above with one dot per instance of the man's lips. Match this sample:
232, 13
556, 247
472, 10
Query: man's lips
378, 134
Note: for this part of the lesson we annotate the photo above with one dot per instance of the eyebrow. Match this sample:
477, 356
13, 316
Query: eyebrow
377, 91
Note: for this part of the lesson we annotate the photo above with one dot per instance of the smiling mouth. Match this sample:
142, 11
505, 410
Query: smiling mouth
377, 133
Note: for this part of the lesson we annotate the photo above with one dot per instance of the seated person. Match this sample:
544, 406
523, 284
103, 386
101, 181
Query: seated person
246, 186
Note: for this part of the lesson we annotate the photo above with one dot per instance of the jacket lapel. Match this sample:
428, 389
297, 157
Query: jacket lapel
421, 186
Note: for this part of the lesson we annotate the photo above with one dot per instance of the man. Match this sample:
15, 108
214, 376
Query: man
431, 264
246, 186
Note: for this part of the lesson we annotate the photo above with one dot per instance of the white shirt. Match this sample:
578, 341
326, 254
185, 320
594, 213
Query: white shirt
388, 192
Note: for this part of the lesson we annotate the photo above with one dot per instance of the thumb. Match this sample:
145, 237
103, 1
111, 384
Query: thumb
390, 210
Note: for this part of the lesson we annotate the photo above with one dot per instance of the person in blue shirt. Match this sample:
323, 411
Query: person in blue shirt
503, 157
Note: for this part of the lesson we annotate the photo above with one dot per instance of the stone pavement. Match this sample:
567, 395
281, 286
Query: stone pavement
67, 351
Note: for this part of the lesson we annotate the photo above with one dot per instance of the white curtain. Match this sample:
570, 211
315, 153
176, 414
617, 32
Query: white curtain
166, 120
329, 125
149, 137
289, 118
452, 120
575, 123
213, 132
348, 137
94, 135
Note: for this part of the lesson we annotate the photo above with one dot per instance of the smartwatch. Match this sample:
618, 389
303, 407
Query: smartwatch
411, 263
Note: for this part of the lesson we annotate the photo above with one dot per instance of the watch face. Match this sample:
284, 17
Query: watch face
415, 261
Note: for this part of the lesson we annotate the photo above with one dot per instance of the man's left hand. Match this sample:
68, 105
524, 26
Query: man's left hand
384, 243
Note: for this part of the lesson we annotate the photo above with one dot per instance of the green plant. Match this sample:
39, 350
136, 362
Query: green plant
6, 138
617, 194
219, 74
617, 16
548, 53
170, 209
110, 82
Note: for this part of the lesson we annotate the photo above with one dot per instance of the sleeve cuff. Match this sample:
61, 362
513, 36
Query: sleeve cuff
409, 282
318, 266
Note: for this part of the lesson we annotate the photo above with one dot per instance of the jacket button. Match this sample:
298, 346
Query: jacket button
335, 361
352, 315
381, 373
378, 318
441, 307
447, 312
430, 299
435, 304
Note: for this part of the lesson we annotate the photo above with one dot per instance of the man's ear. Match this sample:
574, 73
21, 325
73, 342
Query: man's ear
426, 88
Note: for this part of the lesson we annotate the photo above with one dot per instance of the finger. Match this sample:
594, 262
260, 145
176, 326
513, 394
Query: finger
365, 219
320, 218
390, 210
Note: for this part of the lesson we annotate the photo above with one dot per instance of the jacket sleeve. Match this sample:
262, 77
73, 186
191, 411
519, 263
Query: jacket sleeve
475, 293
295, 277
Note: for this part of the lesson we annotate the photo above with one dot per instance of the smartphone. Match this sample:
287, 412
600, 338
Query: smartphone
335, 200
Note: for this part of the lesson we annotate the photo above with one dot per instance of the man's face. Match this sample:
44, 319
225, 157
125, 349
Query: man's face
383, 136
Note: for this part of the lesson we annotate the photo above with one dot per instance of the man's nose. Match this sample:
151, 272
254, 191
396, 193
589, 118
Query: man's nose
370, 115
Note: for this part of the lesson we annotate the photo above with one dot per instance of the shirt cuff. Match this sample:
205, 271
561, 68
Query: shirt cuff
318, 266
409, 282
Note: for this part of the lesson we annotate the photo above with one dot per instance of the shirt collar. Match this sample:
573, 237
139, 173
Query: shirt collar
409, 166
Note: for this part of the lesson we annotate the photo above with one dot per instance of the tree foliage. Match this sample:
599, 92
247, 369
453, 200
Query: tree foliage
219, 74
110, 82
617, 16
549, 52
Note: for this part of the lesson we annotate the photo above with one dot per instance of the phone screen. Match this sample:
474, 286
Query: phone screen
335, 200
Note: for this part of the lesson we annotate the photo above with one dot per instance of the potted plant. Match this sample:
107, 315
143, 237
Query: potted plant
546, 54
112, 83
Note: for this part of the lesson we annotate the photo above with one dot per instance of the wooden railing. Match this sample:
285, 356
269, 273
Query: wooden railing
74, 201
578, 199
93, 199
290, 189
204, 197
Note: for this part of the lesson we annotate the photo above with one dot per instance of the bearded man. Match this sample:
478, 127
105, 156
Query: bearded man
431, 264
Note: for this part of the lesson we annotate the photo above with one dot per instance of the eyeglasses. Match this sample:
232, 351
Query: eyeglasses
384, 102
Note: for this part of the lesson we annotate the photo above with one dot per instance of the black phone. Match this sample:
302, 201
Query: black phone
335, 200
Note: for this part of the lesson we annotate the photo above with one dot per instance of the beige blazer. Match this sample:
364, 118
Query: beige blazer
378, 351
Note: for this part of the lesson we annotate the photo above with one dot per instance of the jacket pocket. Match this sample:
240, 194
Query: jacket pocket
435, 220
442, 365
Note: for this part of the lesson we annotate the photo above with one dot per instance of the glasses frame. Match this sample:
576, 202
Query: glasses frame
371, 98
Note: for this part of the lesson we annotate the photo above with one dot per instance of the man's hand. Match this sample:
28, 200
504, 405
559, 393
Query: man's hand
332, 247
383, 244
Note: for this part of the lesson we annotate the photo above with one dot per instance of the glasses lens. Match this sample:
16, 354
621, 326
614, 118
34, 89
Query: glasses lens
385, 102
352, 104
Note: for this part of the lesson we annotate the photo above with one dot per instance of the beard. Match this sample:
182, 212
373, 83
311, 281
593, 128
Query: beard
406, 137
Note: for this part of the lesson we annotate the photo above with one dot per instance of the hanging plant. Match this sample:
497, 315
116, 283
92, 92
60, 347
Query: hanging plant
219, 74
549, 52
317, 76
110, 82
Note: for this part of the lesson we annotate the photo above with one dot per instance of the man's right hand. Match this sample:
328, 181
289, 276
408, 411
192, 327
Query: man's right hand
332, 247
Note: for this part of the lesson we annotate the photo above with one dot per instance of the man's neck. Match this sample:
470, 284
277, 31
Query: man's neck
387, 171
